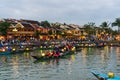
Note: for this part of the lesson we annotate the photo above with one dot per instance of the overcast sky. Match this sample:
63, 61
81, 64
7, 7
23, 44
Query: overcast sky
69, 11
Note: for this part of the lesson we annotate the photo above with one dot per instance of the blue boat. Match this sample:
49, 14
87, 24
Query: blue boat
109, 76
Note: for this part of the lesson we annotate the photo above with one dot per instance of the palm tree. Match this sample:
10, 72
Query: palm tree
117, 23
105, 25
90, 28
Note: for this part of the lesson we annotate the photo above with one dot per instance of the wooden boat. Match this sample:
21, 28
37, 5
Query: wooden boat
4, 51
52, 57
11, 52
101, 76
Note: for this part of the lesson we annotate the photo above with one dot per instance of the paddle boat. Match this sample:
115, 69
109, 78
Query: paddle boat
53, 56
11, 50
109, 76
57, 53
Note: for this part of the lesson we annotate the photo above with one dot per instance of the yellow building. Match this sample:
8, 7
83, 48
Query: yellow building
21, 29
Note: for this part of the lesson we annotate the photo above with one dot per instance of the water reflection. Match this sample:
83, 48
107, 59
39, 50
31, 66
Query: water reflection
75, 67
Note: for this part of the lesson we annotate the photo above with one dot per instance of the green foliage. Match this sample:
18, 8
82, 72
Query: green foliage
4, 27
45, 24
55, 25
50, 32
37, 34
89, 28
58, 32
105, 25
115, 32
117, 22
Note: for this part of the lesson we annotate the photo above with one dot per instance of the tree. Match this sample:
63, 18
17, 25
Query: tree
45, 24
90, 28
4, 27
55, 25
50, 32
117, 23
37, 34
105, 25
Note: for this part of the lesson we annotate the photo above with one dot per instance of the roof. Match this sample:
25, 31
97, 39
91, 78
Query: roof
27, 25
31, 21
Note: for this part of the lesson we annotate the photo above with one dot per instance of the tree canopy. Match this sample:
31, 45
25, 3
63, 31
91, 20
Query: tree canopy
45, 24
4, 27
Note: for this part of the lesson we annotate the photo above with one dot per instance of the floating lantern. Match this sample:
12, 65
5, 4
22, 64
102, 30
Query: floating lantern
13, 49
73, 49
43, 54
65, 48
111, 75
62, 50
41, 46
3, 50
27, 49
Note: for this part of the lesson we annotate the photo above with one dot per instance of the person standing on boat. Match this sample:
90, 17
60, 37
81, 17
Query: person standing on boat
57, 49
20, 44
56, 52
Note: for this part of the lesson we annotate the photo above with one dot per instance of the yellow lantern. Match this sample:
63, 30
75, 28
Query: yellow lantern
111, 75
62, 50
43, 54
27, 49
41, 47
3, 50
13, 49
73, 49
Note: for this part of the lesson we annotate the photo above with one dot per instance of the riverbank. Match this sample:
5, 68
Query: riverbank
113, 43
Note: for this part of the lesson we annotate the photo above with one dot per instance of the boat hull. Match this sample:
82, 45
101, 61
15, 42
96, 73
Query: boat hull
101, 76
52, 57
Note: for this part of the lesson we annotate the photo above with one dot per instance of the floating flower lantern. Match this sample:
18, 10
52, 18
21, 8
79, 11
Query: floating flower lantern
43, 54
13, 49
3, 50
27, 49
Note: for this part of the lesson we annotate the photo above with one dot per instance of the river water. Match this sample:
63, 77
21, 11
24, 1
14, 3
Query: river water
76, 67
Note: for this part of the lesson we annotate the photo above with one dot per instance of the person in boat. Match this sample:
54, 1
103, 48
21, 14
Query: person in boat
68, 47
9, 49
20, 44
53, 54
48, 54
56, 52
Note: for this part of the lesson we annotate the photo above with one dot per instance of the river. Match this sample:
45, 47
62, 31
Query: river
76, 67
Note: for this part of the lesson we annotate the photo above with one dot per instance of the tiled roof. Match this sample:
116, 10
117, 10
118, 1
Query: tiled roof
27, 25
31, 21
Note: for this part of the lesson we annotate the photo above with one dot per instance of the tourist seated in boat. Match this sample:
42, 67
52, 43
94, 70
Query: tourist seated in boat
48, 54
9, 49
56, 54
68, 47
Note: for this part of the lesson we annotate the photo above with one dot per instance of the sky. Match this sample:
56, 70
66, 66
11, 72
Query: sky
64, 11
